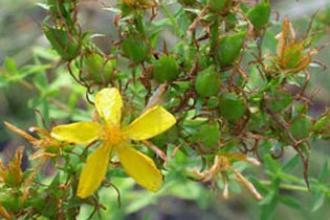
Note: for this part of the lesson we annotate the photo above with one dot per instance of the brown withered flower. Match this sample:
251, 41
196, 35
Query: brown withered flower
293, 55
222, 165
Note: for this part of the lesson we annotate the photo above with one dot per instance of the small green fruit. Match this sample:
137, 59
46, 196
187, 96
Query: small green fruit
166, 69
207, 82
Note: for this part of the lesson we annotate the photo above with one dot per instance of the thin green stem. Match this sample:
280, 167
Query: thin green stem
287, 186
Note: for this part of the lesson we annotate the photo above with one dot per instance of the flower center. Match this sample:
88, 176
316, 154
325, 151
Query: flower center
113, 135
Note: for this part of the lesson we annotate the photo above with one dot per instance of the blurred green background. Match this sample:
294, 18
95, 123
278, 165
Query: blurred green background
21, 39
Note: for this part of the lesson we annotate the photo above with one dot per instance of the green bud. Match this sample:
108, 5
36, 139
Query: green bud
207, 82
166, 69
231, 106
259, 15
97, 68
65, 44
229, 48
135, 49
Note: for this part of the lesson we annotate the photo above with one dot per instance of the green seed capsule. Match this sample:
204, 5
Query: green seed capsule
66, 45
97, 68
135, 49
229, 48
231, 106
207, 82
259, 15
166, 69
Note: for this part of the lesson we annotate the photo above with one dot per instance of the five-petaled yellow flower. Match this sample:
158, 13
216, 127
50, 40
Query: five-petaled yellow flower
114, 138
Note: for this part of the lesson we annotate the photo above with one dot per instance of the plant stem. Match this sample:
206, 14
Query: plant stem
287, 186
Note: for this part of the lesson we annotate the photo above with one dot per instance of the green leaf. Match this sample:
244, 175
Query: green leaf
318, 201
65, 44
10, 66
291, 164
290, 201
259, 15
324, 172
279, 101
301, 127
231, 106
208, 134
207, 82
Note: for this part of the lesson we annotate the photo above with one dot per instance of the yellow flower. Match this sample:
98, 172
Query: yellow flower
108, 103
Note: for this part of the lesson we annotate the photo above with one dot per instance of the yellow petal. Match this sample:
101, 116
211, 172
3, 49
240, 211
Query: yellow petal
108, 103
152, 122
93, 172
78, 133
140, 167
